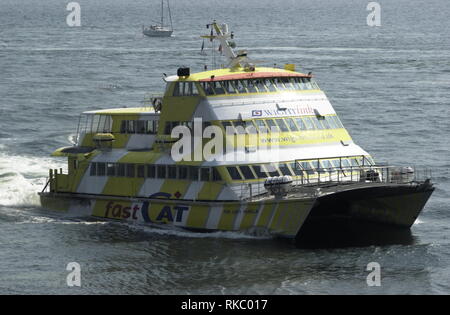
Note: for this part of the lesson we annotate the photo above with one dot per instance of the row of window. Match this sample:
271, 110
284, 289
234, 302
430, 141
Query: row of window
299, 168
244, 86
182, 172
139, 126
265, 125
242, 172
284, 124
185, 89
258, 85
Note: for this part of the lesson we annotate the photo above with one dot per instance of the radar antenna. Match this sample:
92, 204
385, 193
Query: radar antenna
234, 59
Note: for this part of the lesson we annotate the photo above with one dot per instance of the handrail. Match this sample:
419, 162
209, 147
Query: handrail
340, 176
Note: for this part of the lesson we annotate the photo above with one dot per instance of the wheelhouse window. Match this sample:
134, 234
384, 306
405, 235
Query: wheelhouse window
259, 171
247, 172
185, 89
240, 86
234, 173
284, 169
282, 125
139, 127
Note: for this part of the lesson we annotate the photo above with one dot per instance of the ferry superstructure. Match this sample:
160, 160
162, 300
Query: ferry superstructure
122, 166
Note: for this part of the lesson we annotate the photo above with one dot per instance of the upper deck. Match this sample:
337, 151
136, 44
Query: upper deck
237, 73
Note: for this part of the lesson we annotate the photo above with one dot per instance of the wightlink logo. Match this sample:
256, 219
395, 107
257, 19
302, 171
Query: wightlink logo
236, 142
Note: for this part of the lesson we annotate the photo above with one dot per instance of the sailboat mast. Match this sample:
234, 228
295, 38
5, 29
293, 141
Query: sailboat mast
170, 15
162, 13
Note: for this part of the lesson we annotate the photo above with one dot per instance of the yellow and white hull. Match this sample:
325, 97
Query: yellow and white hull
282, 218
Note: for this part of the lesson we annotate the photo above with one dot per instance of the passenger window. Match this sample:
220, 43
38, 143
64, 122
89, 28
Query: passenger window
239, 126
130, 170
287, 83
291, 124
172, 171
151, 171
101, 169
120, 169
250, 127
282, 125
93, 169
345, 163
317, 122
325, 123
216, 175
209, 88
161, 171
204, 174
296, 83
300, 123
270, 85
123, 126
247, 172
193, 172
110, 169
250, 85
272, 125
296, 168
176, 89
271, 170
240, 86
330, 122
218, 88
140, 126
307, 83
307, 168
192, 89
326, 164
182, 172
234, 173
261, 126
141, 171
337, 122
131, 127
284, 169
309, 123
259, 171
228, 127
353, 162
279, 84
229, 87
260, 86
336, 163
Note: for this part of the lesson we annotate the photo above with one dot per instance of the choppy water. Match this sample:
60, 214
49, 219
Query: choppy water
390, 84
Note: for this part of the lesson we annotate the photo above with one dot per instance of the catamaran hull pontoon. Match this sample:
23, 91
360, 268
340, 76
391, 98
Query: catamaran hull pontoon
395, 205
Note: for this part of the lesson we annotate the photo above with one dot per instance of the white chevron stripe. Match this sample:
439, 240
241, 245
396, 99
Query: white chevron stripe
193, 190
151, 186
239, 217
96, 184
214, 217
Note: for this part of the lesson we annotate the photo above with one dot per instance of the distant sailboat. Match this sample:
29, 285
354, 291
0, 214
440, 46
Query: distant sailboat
160, 30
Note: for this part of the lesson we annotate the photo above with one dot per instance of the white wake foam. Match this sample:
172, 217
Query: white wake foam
22, 177
178, 232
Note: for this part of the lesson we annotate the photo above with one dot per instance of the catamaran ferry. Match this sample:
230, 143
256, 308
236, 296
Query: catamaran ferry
238, 148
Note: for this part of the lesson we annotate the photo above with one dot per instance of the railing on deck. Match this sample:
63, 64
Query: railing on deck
322, 177
153, 100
